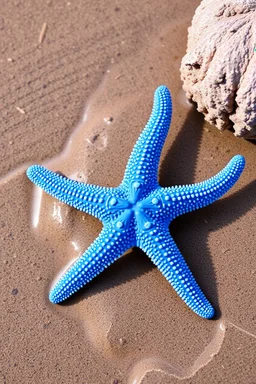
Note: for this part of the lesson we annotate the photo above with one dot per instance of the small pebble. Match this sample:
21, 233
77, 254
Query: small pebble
122, 341
21, 110
15, 291
108, 119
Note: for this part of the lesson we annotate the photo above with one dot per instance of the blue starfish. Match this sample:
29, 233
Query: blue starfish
138, 212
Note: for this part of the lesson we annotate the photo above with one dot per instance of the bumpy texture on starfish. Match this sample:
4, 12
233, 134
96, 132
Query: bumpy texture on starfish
138, 212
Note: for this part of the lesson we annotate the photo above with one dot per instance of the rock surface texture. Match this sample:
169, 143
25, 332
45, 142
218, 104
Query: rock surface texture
219, 68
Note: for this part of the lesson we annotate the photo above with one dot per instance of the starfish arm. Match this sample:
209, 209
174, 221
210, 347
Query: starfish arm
161, 248
85, 197
145, 156
108, 247
178, 200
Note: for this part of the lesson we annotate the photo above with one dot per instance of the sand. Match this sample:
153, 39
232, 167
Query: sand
77, 102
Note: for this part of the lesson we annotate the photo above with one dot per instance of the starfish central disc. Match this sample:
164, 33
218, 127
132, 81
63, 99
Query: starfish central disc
132, 207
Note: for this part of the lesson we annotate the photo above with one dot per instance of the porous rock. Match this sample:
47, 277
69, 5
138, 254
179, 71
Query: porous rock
219, 68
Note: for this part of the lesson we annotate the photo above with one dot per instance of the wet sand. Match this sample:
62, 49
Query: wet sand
87, 93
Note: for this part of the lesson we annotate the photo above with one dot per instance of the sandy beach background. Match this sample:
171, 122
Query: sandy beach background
76, 101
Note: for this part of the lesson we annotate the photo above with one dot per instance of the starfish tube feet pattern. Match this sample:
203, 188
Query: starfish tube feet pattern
164, 253
138, 212
108, 246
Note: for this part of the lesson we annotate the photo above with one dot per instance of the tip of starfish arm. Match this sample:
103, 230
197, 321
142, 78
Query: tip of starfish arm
57, 296
162, 89
31, 171
239, 160
198, 302
208, 312
54, 299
